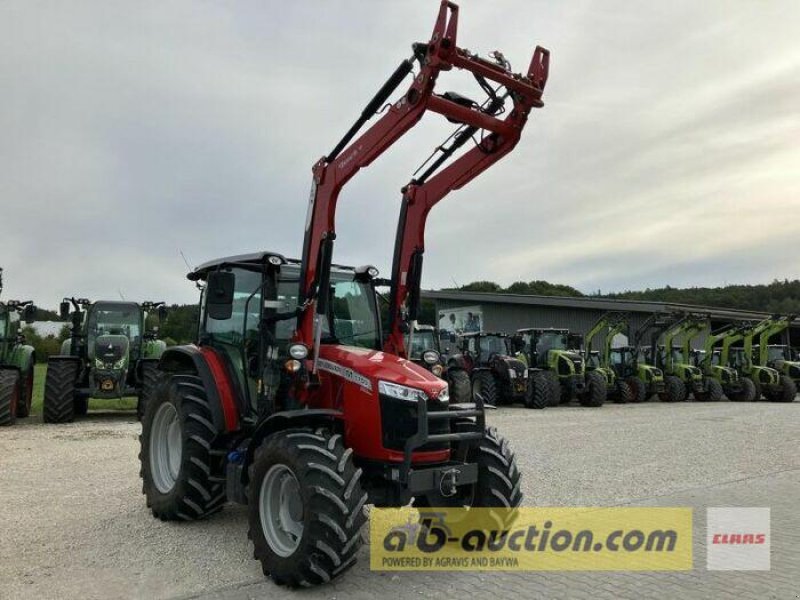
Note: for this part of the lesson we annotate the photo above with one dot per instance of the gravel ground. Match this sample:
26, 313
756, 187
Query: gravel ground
74, 522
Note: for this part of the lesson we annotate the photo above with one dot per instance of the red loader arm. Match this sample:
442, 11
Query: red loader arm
333, 171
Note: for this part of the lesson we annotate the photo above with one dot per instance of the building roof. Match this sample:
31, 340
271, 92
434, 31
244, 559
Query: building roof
589, 303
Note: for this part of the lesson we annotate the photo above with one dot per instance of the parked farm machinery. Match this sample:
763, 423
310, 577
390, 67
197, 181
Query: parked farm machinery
17, 359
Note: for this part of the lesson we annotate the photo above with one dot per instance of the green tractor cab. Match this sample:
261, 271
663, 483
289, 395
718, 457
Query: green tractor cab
548, 350
16, 360
645, 380
110, 354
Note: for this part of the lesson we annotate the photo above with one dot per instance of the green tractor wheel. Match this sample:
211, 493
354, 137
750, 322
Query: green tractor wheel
9, 396
538, 392
675, 390
786, 392
460, 386
623, 394
596, 390
555, 388
712, 393
483, 383
638, 389
747, 393
59, 391
26, 393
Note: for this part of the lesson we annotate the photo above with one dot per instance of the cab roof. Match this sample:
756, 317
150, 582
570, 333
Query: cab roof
253, 260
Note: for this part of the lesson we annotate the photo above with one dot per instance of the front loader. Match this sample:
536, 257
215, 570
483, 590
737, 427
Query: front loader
621, 389
753, 361
110, 353
676, 359
290, 401
676, 374
780, 357
17, 359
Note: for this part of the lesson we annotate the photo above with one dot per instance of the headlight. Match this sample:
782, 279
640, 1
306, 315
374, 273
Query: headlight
430, 357
437, 370
444, 395
401, 392
98, 364
119, 364
512, 374
525, 374
298, 351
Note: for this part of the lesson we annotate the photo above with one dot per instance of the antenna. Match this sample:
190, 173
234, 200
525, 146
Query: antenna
183, 256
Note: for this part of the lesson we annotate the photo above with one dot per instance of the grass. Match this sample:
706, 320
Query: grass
40, 371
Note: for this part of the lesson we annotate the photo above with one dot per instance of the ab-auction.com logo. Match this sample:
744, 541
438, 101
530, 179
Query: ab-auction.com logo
738, 539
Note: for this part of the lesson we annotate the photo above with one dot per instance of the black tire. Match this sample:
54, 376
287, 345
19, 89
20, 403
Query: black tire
10, 387
623, 394
674, 391
759, 390
538, 393
198, 489
460, 385
148, 384
714, 391
786, 392
483, 383
638, 389
332, 506
26, 393
59, 391
555, 388
748, 391
596, 390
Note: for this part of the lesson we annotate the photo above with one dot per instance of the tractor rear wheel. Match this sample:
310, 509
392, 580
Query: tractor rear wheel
596, 390
149, 380
786, 392
538, 392
9, 395
460, 386
623, 394
306, 507
555, 388
638, 388
26, 393
483, 383
674, 391
59, 391
181, 470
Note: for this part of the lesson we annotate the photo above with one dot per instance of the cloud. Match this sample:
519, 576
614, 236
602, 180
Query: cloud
666, 152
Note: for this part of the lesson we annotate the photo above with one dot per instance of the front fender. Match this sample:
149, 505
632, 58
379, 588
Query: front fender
23, 357
288, 419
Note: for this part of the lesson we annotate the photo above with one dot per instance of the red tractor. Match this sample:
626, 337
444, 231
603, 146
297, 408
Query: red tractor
289, 402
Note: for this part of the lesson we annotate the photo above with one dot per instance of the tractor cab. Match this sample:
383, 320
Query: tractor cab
423, 348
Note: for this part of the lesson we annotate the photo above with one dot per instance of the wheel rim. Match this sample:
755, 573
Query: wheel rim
281, 510
166, 447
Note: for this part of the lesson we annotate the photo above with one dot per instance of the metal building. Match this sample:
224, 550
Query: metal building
471, 311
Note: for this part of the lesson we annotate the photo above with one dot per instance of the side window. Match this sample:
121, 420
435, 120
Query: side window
246, 309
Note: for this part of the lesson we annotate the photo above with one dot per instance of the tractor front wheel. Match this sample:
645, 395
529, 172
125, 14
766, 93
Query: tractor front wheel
460, 386
712, 393
554, 399
623, 394
180, 467
306, 507
538, 392
596, 390
748, 391
483, 383
9, 395
638, 389
675, 390
786, 392
149, 381
59, 391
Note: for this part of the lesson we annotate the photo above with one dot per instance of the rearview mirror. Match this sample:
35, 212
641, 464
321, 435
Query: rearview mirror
219, 295
29, 313
63, 310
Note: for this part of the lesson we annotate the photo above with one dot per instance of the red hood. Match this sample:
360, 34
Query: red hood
375, 365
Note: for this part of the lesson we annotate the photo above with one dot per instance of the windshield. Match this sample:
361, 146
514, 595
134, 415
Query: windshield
777, 353
355, 315
493, 344
423, 341
114, 319
621, 356
551, 340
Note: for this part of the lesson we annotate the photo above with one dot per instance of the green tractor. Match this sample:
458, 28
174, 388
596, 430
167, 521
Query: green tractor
620, 389
16, 360
754, 361
549, 350
715, 365
424, 349
681, 378
780, 357
110, 354
631, 365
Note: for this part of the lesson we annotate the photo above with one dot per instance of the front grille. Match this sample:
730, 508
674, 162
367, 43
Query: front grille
399, 422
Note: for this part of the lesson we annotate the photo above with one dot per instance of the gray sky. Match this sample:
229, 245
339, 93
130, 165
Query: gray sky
667, 152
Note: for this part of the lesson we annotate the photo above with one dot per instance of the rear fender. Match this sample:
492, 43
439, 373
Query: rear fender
290, 419
23, 357
208, 366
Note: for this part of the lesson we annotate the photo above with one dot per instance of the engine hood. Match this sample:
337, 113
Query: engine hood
365, 367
